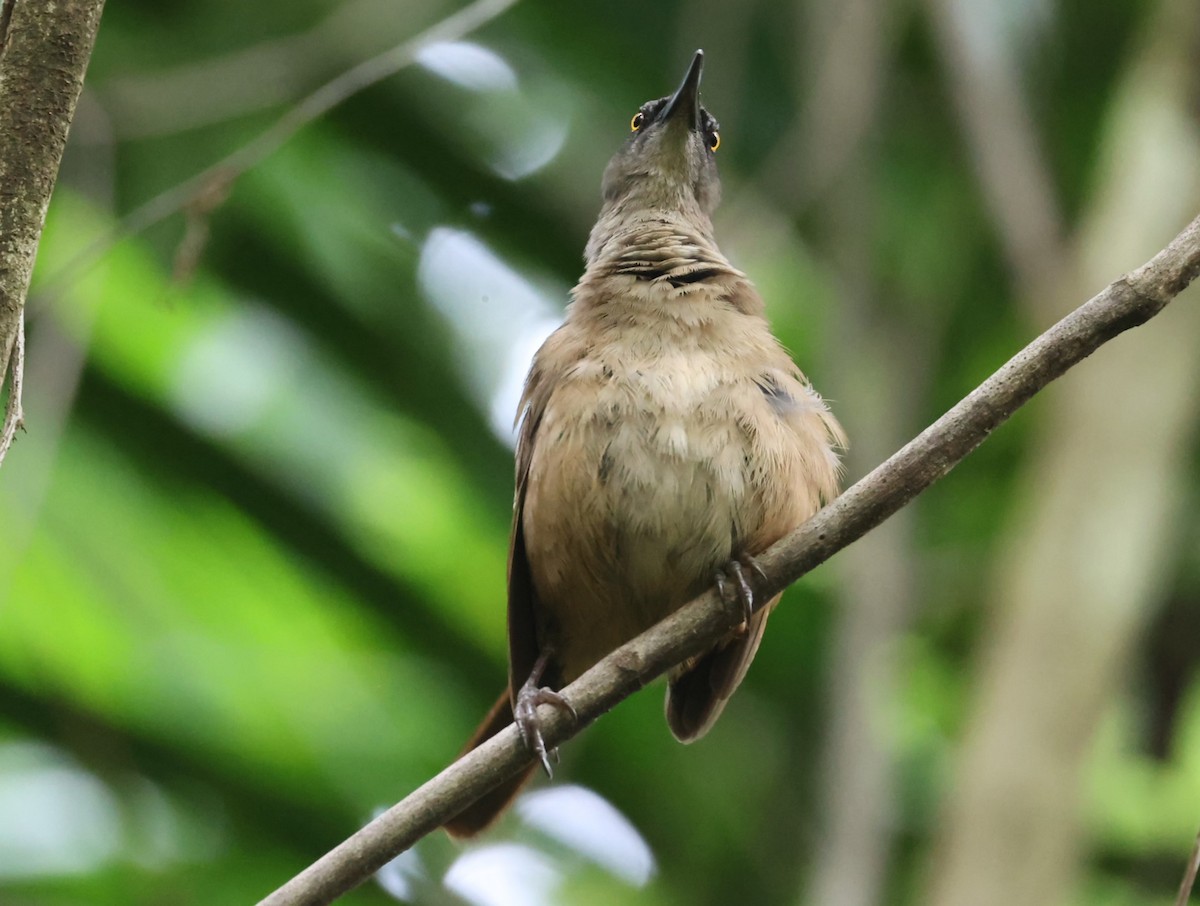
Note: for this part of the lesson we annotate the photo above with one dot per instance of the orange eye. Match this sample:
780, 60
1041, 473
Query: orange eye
714, 141
636, 123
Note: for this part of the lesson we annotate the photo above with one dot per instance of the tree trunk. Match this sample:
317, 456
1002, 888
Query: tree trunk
45, 46
1091, 541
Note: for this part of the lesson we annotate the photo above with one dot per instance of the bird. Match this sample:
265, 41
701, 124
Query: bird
665, 437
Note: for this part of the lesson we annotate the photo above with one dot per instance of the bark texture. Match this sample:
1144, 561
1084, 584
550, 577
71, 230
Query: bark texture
45, 56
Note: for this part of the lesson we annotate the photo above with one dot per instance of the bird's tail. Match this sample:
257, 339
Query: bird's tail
698, 692
479, 816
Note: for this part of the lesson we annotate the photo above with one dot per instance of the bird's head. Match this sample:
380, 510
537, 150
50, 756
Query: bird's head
668, 162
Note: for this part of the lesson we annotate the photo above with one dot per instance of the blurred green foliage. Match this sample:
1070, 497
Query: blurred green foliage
252, 547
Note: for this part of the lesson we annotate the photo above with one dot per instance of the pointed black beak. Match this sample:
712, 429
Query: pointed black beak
685, 102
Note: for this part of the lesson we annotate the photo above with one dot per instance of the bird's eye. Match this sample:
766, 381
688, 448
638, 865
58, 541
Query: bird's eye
636, 123
714, 140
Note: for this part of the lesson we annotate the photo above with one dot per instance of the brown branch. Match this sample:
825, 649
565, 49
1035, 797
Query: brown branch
221, 175
1189, 876
46, 51
1128, 302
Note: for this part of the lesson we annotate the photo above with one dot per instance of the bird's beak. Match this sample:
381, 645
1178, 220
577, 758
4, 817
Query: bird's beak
684, 105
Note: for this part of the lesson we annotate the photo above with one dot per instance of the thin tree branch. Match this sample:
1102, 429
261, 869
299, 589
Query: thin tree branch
46, 51
1131, 300
269, 74
218, 177
1189, 876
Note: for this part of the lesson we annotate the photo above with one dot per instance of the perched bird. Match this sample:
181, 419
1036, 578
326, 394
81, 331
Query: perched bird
665, 439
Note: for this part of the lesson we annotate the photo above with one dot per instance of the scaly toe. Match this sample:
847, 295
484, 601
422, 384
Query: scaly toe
527, 720
742, 591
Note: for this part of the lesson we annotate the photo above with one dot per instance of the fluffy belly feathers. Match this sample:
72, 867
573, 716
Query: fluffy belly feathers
648, 488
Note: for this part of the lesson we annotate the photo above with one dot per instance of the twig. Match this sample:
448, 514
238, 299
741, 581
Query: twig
269, 74
1126, 303
14, 416
316, 105
1189, 876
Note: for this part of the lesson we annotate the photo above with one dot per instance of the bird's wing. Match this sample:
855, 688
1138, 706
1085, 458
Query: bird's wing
558, 353
522, 626
818, 436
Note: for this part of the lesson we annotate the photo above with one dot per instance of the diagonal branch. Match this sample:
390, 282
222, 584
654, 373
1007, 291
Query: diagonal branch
1128, 302
218, 177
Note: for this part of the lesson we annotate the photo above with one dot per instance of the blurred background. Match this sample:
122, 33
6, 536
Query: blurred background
252, 546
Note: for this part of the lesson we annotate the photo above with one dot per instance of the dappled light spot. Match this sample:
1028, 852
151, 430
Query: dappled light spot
402, 876
234, 368
530, 140
498, 316
468, 65
591, 826
55, 819
567, 830
504, 874
517, 130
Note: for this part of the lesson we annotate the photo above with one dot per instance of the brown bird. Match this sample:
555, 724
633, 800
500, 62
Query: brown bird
665, 439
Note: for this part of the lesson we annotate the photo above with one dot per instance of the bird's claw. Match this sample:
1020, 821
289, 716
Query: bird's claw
527, 720
742, 591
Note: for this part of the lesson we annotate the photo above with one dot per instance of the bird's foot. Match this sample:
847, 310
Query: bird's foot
734, 584
525, 714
